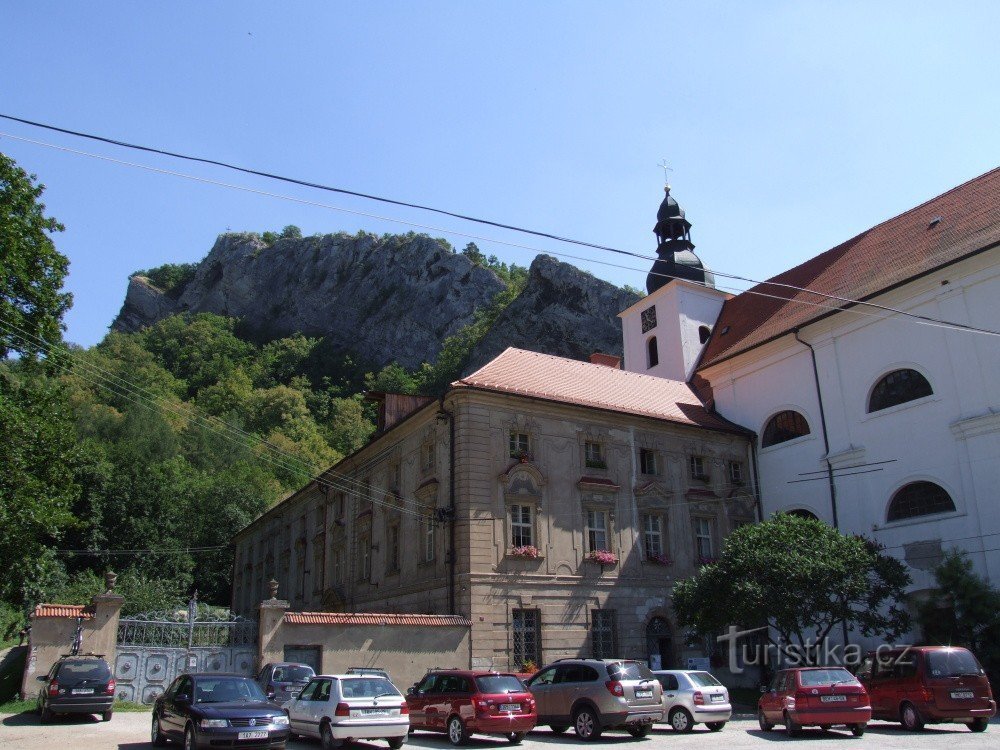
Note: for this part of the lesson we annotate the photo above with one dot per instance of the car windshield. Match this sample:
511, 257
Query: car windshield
500, 683
630, 670
703, 679
952, 662
227, 690
367, 687
77, 671
292, 674
814, 677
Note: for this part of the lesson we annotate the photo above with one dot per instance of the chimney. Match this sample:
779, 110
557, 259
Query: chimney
608, 360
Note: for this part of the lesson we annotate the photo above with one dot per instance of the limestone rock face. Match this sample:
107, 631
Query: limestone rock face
390, 299
562, 311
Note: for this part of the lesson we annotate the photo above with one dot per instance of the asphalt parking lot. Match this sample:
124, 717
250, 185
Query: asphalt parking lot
130, 731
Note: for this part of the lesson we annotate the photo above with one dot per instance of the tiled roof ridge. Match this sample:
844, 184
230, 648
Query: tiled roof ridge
62, 610
374, 618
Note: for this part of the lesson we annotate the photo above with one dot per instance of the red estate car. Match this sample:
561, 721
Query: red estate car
464, 702
814, 696
920, 685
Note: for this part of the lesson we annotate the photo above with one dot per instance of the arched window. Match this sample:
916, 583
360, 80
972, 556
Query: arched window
919, 499
803, 513
652, 355
703, 333
898, 387
784, 426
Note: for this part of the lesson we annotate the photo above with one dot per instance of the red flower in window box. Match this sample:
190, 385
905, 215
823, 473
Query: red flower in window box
603, 556
529, 551
660, 560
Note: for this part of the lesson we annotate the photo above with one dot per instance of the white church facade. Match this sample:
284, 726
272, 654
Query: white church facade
880, 417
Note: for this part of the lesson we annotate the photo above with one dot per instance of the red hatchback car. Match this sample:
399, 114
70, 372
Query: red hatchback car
920, 685
814, 696
462, 702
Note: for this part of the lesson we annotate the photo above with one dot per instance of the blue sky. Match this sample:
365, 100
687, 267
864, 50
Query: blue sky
790, 126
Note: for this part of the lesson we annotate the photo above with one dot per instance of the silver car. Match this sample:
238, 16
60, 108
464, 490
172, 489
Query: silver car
592, 695
693, 697
346, 707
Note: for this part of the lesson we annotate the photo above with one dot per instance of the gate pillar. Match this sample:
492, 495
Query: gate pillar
270, 644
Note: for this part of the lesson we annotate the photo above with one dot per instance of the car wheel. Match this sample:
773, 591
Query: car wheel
858, 729
326, 737
189, 740
642, 730
156, 734
910, 718
979, 724
457, 732
586, 724
765, 725
46, 715
106, 716
558, 728
395, 742
715, 726
681, 720
515, 738
792, 729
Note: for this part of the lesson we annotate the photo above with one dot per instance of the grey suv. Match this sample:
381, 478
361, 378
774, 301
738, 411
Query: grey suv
592, 695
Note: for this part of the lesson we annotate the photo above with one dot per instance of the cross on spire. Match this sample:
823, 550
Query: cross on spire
666, 168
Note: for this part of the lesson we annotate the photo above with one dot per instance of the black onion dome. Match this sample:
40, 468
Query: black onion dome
675, 254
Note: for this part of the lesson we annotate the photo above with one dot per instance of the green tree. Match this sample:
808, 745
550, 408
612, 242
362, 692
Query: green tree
32, 302
800, 577
964, 612
172, 278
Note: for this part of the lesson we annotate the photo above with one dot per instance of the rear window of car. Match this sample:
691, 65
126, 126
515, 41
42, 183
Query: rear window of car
367, 687
84, 670
703, 679
292, 674
501, 683
952, 663
227, 690
630, 670
813, 677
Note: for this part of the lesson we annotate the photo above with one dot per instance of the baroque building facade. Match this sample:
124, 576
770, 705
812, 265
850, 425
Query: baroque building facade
552, 502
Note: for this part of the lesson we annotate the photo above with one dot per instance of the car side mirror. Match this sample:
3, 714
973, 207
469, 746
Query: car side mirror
42, 677
271, 694
411, 690
182, 698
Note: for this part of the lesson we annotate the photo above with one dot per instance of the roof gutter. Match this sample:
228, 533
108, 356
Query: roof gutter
826, 439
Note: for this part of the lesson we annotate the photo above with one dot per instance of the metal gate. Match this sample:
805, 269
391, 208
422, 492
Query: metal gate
155, 647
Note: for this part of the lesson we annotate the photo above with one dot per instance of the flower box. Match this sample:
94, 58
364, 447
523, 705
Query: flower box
660, 560
603, 556
528, 551
702, 560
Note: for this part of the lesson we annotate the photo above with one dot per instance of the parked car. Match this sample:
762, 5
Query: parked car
218, 710
79, 684
592, 695
814, 696
693, 697
928, 685
284, 680
337, 708
466, 702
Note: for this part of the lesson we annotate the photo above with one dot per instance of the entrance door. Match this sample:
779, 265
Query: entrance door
659, 643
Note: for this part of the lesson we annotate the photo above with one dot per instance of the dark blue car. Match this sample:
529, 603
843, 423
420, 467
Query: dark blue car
218, 710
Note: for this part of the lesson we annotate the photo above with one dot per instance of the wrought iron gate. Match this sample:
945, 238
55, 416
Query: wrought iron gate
155, 647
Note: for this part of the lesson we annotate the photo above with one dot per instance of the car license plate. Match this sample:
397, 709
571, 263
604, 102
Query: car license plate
833, 699
962, 695
258, 735
510, 706
718, 699
643, 693
82, 691
375, 711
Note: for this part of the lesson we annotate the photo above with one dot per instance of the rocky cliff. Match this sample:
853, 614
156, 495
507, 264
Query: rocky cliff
388, 299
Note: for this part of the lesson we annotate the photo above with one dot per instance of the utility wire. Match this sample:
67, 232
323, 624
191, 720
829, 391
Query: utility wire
547, 235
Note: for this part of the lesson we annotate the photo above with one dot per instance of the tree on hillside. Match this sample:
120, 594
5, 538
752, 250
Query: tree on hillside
32, 302
800, 577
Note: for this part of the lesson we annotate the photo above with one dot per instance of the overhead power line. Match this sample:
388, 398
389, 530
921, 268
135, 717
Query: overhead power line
464, 217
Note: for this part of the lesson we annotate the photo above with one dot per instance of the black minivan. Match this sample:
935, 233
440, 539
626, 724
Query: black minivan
79, 684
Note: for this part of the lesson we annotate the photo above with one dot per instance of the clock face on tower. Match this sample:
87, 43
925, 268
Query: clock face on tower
649, 318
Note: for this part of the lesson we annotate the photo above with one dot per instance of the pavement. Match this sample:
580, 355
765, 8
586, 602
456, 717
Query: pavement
130, 731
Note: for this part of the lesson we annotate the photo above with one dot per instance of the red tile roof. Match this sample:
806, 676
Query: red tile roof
873, 262
569, 381
373, 618
62, 610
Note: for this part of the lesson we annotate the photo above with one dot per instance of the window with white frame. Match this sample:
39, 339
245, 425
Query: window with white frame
597, 530
427, 531
428, 456
593, 455
704, 538
526, 629
698, 468
604, 633
522, 525
652, 535
736, 472
649, 462
518, 444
